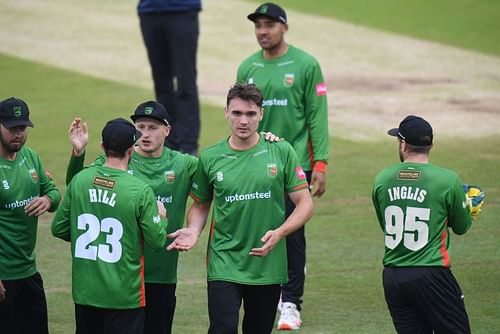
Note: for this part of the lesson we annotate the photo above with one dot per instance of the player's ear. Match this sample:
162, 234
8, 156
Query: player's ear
167, 130
226, 112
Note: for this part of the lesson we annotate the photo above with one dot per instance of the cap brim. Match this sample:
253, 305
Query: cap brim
393, 132
134, 118
254, 16
138, 134
14, 123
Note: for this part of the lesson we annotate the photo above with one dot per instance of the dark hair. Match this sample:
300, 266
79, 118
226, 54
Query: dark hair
113, 153
247, 92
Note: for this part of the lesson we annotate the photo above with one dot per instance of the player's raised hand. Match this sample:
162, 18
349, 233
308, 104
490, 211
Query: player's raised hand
270, 239
37, 206
78, 136
318, 183
183, 239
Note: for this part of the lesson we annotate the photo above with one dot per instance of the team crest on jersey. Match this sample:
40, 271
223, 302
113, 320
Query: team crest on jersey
170, 176
272, 170
34, 175
288, 79
409, 175
100, 181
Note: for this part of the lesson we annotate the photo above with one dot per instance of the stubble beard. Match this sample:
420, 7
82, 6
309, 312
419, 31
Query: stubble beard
8, 147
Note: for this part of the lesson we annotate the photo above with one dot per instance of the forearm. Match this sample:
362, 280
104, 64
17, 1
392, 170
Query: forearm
75, 165
300, 215
197, 216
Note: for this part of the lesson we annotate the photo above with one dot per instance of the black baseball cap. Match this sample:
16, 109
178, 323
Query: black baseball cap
414, 130
270, 10
14, 112
119, 135
151, 109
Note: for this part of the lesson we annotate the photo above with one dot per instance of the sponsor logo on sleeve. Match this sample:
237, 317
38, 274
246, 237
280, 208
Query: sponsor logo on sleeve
48, 174
321, 89
300, 173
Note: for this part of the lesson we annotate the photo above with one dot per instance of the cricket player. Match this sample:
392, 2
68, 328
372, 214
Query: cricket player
417, 203
295, 108
246, 178
108, 215
27, 191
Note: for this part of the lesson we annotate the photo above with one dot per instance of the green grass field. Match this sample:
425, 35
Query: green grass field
470, 24
343, 291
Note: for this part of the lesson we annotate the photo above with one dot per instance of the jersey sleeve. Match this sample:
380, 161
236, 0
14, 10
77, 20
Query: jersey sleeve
153, 226
201, 189
459, 218
192, 166
48, 187
61, 222
316, 110
376, 206
295, 177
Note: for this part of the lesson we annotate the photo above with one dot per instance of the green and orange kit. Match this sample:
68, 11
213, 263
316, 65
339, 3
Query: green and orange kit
247, 190
416, 205
295, 101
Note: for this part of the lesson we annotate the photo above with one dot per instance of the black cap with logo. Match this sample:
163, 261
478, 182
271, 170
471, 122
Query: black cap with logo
14, 112
414, 130
151, 109
119, 135
270, 10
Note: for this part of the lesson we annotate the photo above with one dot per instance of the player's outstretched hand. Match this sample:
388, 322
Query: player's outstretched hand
37, 206
78, 136
318, 183
270, 137
270, 239
183, 239
2, 291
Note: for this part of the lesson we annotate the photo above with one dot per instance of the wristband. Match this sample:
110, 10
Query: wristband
320, 166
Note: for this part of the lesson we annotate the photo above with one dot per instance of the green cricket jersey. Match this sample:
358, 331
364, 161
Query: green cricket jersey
416, 204
107, 214
248, 190
22, 180
170, 176
295, 103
